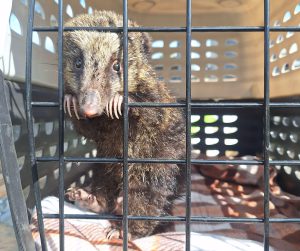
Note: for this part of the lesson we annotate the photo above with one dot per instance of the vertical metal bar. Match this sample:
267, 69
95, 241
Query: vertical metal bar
188, 125
266, 121
126, 126
33, 163
61, 125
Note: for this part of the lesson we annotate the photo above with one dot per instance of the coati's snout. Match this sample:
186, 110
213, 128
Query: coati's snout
90, 104
93, 105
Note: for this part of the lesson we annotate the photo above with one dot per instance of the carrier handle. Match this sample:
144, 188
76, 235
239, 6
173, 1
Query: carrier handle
11, 175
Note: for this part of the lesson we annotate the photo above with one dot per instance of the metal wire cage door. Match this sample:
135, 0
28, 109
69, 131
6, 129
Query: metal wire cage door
188, 104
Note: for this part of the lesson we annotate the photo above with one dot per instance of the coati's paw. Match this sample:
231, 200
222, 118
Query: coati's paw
114, 106
114, 232
71, 102
84, 199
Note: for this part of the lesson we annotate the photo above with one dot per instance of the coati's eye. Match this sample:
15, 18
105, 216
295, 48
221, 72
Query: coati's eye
116, 66
78, 63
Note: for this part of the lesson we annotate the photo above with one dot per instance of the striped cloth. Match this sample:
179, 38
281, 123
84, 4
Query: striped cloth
217, 191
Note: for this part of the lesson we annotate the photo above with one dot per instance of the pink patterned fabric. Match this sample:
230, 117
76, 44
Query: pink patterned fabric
217, 191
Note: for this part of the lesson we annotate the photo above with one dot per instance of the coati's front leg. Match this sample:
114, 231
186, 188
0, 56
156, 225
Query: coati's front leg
153, 196
139, 205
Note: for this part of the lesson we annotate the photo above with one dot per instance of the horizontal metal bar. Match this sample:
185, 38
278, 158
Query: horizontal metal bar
226, 162
158, 218
212, 104
120, 160
47, 159
157, 161
155, 105
173, 218
194, 104
285, 220
225, 219
171, 29
176, 105
84, 216
112, 29
198, 219
285, 28
285, 162
199, 104
228, 29
285, 104
165, 105
157, 29
226, 104
45, 104
170, 161
115, 217
161, 218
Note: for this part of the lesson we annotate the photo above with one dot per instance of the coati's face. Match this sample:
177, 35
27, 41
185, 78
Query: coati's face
93, 63
92, 69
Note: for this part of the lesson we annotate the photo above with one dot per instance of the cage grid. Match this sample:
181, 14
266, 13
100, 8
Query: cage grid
188, 105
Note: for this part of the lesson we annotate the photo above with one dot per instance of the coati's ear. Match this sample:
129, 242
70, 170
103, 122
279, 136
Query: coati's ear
143, 37
146, 44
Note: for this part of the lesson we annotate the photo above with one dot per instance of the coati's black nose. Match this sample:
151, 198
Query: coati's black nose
90, 104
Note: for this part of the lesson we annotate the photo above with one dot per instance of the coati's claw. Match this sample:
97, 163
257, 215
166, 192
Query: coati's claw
74, 101
106, 109
65, 103
113, 232
120, 101
114, 106
69, 102
110, 108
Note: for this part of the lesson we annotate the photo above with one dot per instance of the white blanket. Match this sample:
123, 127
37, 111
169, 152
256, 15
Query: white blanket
84, 234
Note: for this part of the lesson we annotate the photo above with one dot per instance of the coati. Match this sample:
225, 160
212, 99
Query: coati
93, 77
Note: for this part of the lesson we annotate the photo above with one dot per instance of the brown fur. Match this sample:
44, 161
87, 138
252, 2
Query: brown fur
153, 132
